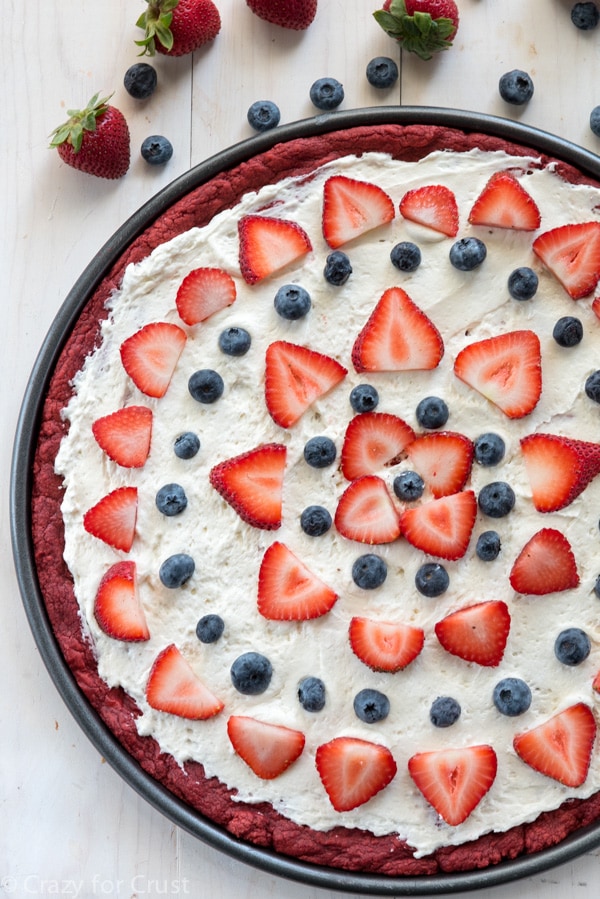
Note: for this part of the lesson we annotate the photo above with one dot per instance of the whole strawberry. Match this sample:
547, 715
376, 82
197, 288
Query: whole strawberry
423, 27
94, 140
177, 27
296, 14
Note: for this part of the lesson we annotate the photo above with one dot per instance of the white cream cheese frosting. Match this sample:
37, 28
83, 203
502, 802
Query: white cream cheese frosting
465, 306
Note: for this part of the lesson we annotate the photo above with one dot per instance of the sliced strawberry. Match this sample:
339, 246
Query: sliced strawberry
454, 781
441, 527
151, 354
268, 749
353, 771
561, 747
125, 435
203, 292
366, 513
433, 206
504, 203
113, 518
546, 564
476, 633
117, 606
398, 336
558, 468
268, 245
443, 459
572, 254
385, 645
372, 441
596, 682
288, 590
506, 370
174, 687
596, 306
252, 484
351, 208
295, 377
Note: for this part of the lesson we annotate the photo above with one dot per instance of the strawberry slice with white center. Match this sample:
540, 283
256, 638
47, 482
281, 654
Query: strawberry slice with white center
203, 292
288, 590
433, 206
454, 781
351, 208
353, 771
268, 749
558, 468
398, 336
295, 377
441, 527
373, 440
366, 513
504, 203
476, 633
268, 245
252, 484
561, 747
572, 254
443, 459
385, 645
175, 688
117, 606
114, 517
125, 435
546, 564
150, 356
506, 370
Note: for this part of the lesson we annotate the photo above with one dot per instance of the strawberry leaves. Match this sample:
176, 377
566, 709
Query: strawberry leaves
421, 32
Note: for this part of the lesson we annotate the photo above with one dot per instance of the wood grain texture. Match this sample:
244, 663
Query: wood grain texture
70, 826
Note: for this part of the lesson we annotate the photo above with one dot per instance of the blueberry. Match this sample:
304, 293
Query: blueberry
467, 253
489, 449
432, 412
337, 268
292, 302
251, 673
409, 486
156, 150
319, 452
210, 628
171, 499
568, 331
371, 706
315, 521
206, 385
369, 571
364, 398
186, 445
140, 80
326, 93
597, 587
176, 570
432, 579
512, 696
595, 120
263, 115
572, 646
585, 16
522, 283
592, 387
311, 694
406, 256
516, 87
382, 72
496, 499
234, 341
488, 546
444, 711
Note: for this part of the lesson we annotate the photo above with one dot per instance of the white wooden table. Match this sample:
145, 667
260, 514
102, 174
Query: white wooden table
69, 826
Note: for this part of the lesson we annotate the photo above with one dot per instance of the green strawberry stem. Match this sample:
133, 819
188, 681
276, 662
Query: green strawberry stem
80, 121
419, 33
156, 22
